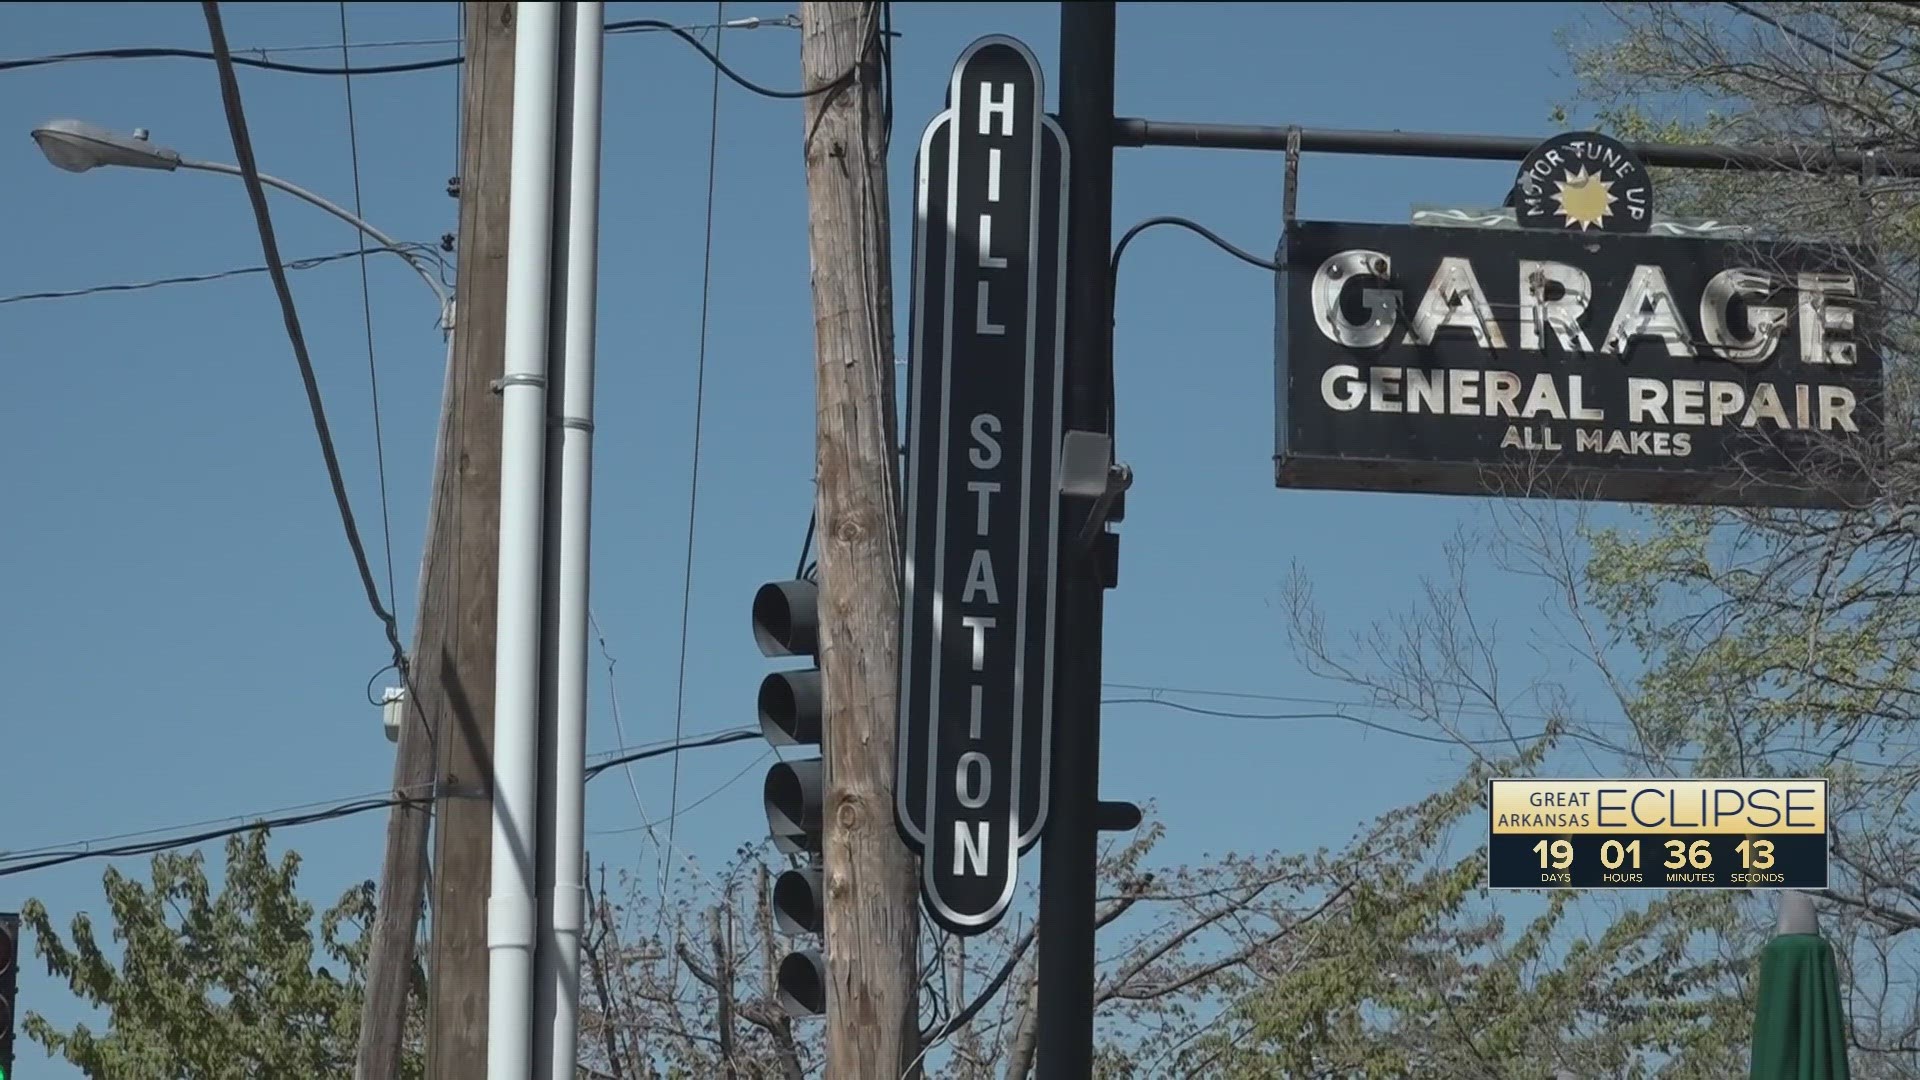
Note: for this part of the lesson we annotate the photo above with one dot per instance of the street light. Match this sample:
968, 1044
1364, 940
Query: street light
77, 146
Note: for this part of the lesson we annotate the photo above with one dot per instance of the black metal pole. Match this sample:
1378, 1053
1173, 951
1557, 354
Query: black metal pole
1070, 851
1132, 131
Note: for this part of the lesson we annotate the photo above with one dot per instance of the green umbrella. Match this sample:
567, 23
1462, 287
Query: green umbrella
1799, 1026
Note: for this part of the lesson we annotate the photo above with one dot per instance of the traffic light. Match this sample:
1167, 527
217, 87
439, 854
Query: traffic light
786, 622
9, 987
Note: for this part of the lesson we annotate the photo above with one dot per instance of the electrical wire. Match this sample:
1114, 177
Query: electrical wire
168, 52
1504, 740
219, 275
1193, 227
20, 862
697, 742
647, 821
1113, 279
371, 700
366, 314
332, 813
263, 220
406, 66
1375, 725
787, 21
693, 487
806, 545
647, 826
12, 862
20, 854
1302, 699
619, 726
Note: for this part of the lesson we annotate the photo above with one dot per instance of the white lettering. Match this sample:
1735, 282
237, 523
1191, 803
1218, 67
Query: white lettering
979, 624
972, 779
1766, 405
1561, 313
983, 323
1577, 409
1648, 286
970, 849
1819, 314
1382, 305
1764, 324
1427, 388
980, 579
987, 454
993, 175
991, 107
1454, 299
1836, 406
1544, 398
1384, 389
1689, 396
1463, 387
1724, 399
988, 260
1351, 391
1503, 393
1646, 401
981, 489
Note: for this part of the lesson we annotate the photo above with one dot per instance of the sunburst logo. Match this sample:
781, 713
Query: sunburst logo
1586, 199
1583, 181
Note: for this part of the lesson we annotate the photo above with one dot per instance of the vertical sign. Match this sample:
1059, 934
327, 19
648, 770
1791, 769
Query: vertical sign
983, 462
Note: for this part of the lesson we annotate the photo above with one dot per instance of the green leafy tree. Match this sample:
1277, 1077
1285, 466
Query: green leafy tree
213, 986
1752, 642
1422, 971
1772, 642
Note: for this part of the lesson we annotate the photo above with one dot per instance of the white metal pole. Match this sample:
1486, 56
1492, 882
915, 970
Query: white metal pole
557, 992
510, 903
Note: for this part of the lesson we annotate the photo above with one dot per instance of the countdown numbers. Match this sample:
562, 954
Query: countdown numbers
1657, 834
1755, 854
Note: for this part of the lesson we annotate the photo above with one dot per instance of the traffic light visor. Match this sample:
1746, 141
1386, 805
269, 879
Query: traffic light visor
786, 618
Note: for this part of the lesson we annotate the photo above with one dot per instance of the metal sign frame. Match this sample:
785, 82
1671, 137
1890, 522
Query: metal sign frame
1633, 385
979, 609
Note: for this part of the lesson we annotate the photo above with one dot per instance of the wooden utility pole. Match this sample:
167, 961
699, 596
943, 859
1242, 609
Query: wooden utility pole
872, 917
463, 841
448, 733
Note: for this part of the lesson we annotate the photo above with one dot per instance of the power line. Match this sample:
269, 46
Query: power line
219, 275
647, 822
1389, 729
693, 486
647, 826
697, 742
274, 812
751, 23
332, 813
1483, 710
76, 851
403, 67
1302, 699
1375, 725
263, 221
366, 313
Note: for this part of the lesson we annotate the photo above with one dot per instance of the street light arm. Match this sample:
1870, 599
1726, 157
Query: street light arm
298, 192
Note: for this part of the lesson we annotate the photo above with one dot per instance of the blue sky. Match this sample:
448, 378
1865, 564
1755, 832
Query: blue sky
186, 638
